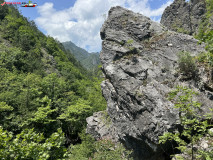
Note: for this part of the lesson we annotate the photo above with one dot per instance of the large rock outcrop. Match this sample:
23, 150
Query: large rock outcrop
139, 60
184, 16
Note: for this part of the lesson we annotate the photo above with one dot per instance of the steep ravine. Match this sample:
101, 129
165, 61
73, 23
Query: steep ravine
139, 59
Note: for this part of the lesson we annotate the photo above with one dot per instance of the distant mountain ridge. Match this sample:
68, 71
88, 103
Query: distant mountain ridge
87, 60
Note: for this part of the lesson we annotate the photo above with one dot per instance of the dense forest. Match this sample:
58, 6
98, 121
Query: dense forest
45, 94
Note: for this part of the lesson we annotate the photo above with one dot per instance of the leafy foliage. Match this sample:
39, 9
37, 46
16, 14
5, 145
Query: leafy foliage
106, 149
3, 10
75, 116
45, 93
209, 5
194, 128
30, 145
187, 64
205, 34
98, 150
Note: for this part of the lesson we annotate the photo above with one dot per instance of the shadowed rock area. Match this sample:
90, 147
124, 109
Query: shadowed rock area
139, 59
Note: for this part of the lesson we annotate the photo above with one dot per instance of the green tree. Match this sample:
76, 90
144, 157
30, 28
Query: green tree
30, 93
193, 127
3, 10
5, 111
30, 145
26, 37
44, 120
11, 58
74, 116
53, 87
12, 24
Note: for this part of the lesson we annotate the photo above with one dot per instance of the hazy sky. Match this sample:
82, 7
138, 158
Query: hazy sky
80, 21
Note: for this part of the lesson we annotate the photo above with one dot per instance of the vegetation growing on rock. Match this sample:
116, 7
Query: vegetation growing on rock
193, 129
187, 64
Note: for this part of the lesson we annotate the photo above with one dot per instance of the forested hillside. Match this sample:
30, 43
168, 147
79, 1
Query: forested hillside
90, 61
47, 91
45, 94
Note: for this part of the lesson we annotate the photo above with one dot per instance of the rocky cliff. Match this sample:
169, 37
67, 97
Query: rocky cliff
139, 60
184, 16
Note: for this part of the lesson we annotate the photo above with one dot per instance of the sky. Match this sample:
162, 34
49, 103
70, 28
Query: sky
80, 21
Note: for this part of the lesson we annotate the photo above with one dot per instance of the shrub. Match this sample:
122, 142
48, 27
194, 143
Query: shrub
186, 64
103, 149
107, 150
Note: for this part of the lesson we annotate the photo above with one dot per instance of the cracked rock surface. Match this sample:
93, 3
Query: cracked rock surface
139, 59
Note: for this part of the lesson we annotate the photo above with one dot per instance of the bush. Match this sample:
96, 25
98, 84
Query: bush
103, 149
107, 150
186, 64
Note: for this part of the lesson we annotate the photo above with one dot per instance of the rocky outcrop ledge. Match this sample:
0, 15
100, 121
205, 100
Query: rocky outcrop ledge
184, 16
139, 59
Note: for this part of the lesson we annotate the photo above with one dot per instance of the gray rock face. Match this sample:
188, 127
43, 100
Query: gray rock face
139, 60
100, 126
184, 16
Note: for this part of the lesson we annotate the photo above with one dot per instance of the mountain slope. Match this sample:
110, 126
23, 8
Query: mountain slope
44, 92
87, 60
79, 53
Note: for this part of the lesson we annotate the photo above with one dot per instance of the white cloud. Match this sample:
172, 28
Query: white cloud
82, 22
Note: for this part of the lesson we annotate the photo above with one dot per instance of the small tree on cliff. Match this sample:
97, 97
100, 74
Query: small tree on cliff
194, 128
